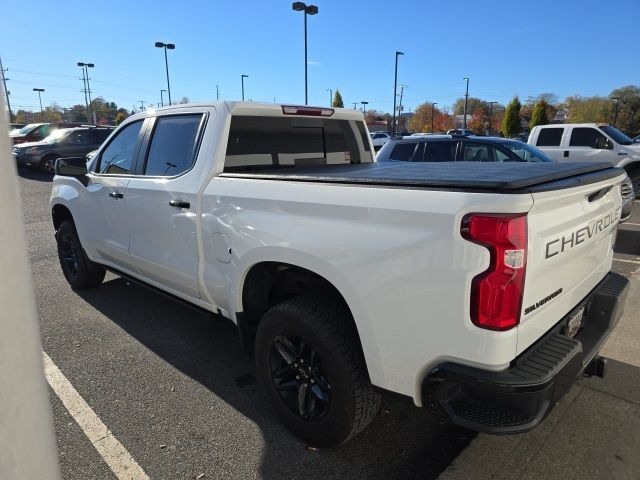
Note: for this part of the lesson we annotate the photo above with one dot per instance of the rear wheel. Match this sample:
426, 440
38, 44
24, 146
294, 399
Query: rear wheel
79, 271
312, 370
48, 164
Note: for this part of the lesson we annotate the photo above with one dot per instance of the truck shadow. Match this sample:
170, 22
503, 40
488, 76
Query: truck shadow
402, 442
35, 175
627, 242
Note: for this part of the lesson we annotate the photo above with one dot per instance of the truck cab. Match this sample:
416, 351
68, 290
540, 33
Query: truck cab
585, 142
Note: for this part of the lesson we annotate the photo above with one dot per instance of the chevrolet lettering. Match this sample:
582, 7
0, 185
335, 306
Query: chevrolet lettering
559, 245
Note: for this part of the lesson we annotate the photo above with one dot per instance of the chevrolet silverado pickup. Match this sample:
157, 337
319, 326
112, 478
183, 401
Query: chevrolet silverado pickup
480, 290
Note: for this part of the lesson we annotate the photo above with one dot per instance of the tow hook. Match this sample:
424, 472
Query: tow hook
597, 367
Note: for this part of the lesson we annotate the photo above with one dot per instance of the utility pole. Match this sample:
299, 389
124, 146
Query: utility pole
40, 90
218, 93
355, 105
400, 108
6, 92
433, 109
330, 97
466, 100
615, 112
395, 93
84, 89
141, 105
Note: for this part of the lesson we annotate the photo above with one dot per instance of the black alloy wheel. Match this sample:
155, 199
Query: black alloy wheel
69, 256
297, 375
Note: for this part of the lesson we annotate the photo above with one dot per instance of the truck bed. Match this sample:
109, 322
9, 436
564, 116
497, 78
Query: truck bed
503, 177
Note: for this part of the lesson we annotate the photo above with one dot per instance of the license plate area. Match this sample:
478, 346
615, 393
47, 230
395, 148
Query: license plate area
574, 322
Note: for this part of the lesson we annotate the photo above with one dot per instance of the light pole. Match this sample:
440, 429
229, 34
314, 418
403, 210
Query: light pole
491, 104
161, 97
432, 113
87, 90
615, 112
166, 46
395, 89
466, 99
330, 97
39, 90
242, 77
364, 109
308, 10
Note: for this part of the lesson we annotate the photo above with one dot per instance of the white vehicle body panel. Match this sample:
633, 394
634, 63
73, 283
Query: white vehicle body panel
395, 254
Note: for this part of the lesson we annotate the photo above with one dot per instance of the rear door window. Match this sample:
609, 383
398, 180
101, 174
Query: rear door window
173, 145
444, 151
478, 152
549, 137
282, 142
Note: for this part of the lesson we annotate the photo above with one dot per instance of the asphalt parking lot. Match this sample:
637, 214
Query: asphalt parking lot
174, 387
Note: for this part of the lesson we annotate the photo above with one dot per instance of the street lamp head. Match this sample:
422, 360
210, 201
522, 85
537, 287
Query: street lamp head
38, 89
170, 46
399, 53
311, 10
245, 76
298, 6
90, 65
80, 64
466, 78
615, 98
159, 44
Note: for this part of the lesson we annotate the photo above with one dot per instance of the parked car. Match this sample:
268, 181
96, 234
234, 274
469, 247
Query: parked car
379, 139
65, 142
597, 142
461, 285
628, 198
460, 131
451, 148
35, 132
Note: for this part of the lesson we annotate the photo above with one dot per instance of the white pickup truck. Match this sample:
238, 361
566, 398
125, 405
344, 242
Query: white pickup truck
580, 142
480, 290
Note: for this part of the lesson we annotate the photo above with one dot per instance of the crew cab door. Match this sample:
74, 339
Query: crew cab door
102, 223
588, 144
162, 202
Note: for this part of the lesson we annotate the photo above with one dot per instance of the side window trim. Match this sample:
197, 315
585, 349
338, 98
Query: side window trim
98, 161
143, 156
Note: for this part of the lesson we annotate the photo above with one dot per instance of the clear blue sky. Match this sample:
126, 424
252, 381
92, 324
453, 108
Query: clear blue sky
567, 47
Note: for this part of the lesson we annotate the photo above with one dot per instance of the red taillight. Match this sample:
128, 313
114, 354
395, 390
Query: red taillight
496, 294
309, 111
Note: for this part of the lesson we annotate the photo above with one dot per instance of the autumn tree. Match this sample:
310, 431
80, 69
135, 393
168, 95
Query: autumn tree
337, 100
589, 109
539, 116
472, 105
511, 125
421, 119
479, 121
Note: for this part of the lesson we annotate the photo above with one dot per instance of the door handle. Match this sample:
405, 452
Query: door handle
116, 195
179, 204
566, 154
623, 153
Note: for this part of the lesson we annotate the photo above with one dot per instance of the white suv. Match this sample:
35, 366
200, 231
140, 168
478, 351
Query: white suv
379, 139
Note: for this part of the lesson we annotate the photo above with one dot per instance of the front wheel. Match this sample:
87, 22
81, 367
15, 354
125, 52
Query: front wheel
79, 271
634, 176
48, 164
311, 368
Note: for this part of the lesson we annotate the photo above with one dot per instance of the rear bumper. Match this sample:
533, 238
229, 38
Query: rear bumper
519, 398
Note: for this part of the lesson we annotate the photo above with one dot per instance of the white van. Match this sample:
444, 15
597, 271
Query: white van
583, 142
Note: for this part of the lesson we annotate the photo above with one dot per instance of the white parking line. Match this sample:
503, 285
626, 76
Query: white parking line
634, 224
637, 262
110, 449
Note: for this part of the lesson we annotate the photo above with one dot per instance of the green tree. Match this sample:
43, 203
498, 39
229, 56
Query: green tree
589, 109
511, 125
473, 104
337, 100
628, 109
539, 116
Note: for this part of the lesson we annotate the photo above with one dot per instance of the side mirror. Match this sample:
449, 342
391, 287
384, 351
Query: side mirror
71, 167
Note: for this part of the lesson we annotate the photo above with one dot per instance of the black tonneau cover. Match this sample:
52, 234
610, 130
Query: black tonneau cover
507, 176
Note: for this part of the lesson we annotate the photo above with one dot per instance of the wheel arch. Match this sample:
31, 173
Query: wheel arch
60, 213
268, 282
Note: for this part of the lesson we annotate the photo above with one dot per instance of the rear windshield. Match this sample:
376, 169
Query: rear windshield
257, 142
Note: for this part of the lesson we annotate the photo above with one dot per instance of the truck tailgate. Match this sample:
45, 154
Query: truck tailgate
572, 230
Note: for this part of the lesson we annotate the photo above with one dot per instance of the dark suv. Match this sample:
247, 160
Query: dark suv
65, 142
454, 148
35, 132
